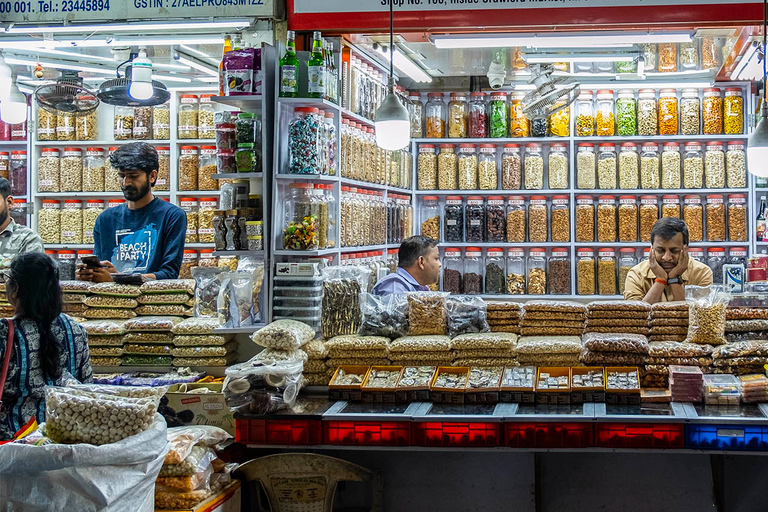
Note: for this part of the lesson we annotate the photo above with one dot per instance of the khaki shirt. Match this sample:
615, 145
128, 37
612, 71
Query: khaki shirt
16, 239
640, 279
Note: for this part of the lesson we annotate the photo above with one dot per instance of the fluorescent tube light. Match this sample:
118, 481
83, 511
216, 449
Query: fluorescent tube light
170, 41
406, 65
171, 78
602, 57
50, 51
127, 27
577, 40
200, 66
52, 43
59, 65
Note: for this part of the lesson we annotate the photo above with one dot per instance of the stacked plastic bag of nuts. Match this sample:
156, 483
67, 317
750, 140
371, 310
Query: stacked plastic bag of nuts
619, 316
504, 317
669, 321
195, 343
552, 318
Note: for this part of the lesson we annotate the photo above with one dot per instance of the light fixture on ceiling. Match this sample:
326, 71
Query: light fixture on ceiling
405, 65
393, 126
171, 78
58, 65
13, 108
194, 62
575, 40
757, 145
127, 27
141, 76
749, 66
6, 78
545, 58
103, 43
62, 53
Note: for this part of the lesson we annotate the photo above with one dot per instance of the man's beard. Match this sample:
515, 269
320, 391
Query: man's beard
135, 194
4, 215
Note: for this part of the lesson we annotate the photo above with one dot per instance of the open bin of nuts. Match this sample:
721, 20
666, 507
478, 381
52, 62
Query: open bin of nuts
483, 385
518, 385
553, 385
347, 383
448, 386
380, 384
414, 384
587, 384
622, 385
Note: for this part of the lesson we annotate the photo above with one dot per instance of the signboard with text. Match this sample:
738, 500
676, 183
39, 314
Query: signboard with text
53, 11
437, 15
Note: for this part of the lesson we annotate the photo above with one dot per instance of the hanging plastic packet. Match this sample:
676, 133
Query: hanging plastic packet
341, 299
208, 281
256, 268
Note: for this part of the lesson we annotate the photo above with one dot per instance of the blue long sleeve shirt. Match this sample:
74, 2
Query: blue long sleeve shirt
149, 240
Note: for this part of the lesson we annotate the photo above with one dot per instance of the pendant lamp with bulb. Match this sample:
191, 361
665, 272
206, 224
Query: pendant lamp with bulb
757, 145
393, 125
13, 108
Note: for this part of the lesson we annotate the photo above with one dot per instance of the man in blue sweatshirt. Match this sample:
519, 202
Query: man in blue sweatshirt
146, 234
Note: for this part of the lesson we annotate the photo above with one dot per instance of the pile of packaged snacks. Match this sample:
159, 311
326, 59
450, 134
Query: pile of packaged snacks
111, 301
549, 350
663, 354
357, 350
618, 316
465, 315
614, 349
149, 341
73, 295
166, 297
504, 316
669, 321
426, 313
433, 350
754, 388
316, 372
484, 349
191, 471
685, 383
706, 321
282, 341
195, 344
105, 337
552, 318
740, 357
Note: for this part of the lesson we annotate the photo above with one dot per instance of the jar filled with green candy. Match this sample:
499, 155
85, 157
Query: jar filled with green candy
246, 159
245, 128
626, 113
498, 114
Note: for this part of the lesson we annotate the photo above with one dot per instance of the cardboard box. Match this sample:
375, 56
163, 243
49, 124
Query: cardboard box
226, 500
192, 408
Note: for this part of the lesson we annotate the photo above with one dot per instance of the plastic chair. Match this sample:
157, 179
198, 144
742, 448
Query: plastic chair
301, 482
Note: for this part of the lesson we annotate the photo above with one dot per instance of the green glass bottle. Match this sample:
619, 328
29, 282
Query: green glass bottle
316, 69
289, 65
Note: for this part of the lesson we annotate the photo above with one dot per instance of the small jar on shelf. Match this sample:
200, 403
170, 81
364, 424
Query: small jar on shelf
649, 214
606, 272
93, 208
667, 57
72, 222
111, 178
558, 166
689, 55
690, 112
65, 126
49, 222
20, 211
453, 271
607, 164
142, 123
447, 168
304, 144
627, 219
585, 219
647, 113
300, 232
560, 219
516, 271
72, 170
738, 256
427, 167
629, 166
605, 121
693, 165
733, 111
668, 119
735, 165
511, 167
453, 231
586, 164
434, 115
458, 116
123, 123
693, 215
188, 111
737, 218
533, 167
94, 168
606, 219
205, 121
626, 113
560, 121
467, 167
585, 272
163, 182
205, 214
473, 271
627, 260
430, 217
189, 164
670, 166
189, 206
86, 126
478, 116
714, 165
487, 167
537, 271
498, 115
48, 170
495, 272
474, 215
537, 219
519, 126
712, 111
18, 173
46, 125
516, 227
585, 115
670, 206
559, 272
67, 263
495, 220
649, 166
715, 261
207, 168
161, 122
416, 115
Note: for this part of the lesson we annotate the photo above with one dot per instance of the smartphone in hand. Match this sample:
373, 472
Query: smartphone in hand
91, 261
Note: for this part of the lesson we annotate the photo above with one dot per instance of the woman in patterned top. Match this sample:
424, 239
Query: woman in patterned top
46, 342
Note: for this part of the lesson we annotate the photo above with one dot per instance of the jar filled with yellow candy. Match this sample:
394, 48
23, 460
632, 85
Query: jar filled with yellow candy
733, 111
585, 115
560, 122
605, 122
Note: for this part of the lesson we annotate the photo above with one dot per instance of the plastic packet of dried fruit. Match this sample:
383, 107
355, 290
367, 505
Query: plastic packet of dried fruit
615, 342
466, 314
284, 335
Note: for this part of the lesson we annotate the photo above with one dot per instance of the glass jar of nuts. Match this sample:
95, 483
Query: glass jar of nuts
46, 125
93, 208
511, 168
670, 166
189, 163
142, 123
205, 231
49, 222
629, 166
537, 271
487, 167
446, 170
606, 272
647, 113
48, 170
690, 112
714, 165
65, 126
188, 110
560, 219
205, 179
607, 166
585, 219
537, 219
586, 165
123, 123
627, 260
713, 111
189, 205
163, 181
495, 219
670, 206
735, 165
430, 217
111, 179
693, 165
627, 219
161, 122
737, 218
72, 170
516, 271
467, 165
72, 222
94, 167
693, 215
649, 166
206, 129
454, 219
558, 166
649, 214
474, 215
516, 219
473, 271
585, 272
667, 57
533, 167
606, 219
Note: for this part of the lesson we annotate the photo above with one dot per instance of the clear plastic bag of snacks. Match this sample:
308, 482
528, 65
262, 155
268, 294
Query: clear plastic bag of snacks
549, 345
675, 349
355, 343
152, 323
384, 316
103, 327
168, 286
427, 343
706, 323
605, 342
466, 315
115, 289
426, 312
196, 326
284, 335
258, 388
486, 340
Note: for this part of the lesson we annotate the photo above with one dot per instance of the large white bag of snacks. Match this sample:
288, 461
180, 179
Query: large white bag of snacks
118, 477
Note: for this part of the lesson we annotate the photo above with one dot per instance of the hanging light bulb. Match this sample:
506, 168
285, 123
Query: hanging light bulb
141, 77
6, 80
13, 108
757, 145
393, 125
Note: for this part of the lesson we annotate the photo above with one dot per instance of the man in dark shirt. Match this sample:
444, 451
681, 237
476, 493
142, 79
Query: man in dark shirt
146, 234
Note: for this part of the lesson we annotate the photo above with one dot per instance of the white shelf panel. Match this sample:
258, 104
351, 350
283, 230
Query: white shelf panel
196, 142
309, 102
662, 138
586, 192
12, 143
238, 175
91, 194
505, 140
305, 254
564, 191
58, 143
504, 245
257, 254
357, 118
244, 103
199, 246
648, 244
367, 248
307, 177
374, 186
73, 247
197, 193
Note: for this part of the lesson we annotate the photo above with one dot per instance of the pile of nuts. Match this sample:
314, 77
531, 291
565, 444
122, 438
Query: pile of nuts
558, 170
534, 172
537, 281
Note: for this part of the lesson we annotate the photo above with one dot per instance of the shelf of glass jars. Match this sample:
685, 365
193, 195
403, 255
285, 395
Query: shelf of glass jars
190, 142
489, 140
374, 186
705, 244
244, 103
505, 245
321, 103
9, 143
87, 195
307, 177
365, 248
523, 192
658, 191
197, 193
54, 143
661, 138
355, 117
304, 254
256, 254
238, 175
